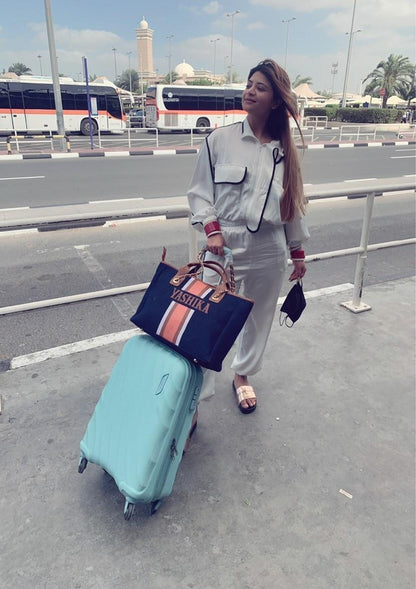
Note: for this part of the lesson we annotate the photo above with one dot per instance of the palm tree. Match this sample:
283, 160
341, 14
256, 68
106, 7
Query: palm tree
123, 80
20, 69
392, 75
299, 80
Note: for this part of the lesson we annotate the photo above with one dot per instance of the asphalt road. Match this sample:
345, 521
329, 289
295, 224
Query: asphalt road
37, 266
48, 182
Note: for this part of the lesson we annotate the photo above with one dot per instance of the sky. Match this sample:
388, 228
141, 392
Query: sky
309, 45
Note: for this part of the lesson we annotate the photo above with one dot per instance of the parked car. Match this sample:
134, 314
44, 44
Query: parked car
136, 118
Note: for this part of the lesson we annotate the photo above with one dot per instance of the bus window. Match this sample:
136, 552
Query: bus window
208, 100
16, 98
37, 98
68, 98
113, 106
101, 103
4, 98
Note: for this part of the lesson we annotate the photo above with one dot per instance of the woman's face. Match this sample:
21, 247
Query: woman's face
258, 96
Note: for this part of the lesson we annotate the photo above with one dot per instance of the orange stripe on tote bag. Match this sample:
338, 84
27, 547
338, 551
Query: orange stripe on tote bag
177, 316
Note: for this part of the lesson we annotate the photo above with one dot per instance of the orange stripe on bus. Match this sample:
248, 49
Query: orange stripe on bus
33, 111
202, 112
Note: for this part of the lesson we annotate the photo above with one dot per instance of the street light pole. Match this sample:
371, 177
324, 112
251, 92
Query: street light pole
334, 71
344, 91
170, 57
288, 21
40, 64
115, 63
232, 14
215, 53
129, 55
55, 74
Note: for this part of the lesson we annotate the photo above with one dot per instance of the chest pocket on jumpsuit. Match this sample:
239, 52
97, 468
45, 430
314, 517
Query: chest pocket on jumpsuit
228, 180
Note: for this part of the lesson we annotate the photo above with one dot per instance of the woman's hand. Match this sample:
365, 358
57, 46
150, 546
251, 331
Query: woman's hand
299, 270
215, 244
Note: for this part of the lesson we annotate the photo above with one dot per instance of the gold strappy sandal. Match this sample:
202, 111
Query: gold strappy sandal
244, 393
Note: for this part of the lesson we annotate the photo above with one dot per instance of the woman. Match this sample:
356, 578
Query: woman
247, 194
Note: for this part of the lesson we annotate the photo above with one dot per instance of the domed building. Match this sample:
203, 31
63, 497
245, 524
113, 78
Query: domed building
184, 70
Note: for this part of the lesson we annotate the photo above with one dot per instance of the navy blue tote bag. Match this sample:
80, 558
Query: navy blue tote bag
197, 319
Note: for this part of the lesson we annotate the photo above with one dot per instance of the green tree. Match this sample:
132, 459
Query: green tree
200, 82
407, 92
20, 69
123, 80
299, 80
170, 77
394, 75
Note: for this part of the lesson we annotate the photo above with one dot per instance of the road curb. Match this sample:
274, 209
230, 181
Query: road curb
185, 151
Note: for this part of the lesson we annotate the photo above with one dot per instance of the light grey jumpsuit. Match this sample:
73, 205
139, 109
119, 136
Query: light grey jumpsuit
230, 184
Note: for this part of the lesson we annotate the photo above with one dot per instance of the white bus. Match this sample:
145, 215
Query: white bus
190, 107
27, 104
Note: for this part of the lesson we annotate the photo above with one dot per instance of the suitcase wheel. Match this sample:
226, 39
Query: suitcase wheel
82, 465
155, 506
128, 510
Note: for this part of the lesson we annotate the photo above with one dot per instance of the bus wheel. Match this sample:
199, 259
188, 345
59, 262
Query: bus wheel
202, 125
85, 127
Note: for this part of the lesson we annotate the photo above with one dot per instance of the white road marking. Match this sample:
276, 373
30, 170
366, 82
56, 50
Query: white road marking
14, 209
116, 200
166, 152
121, 303
17, 232
360, 180
327, 200
117, 153
67, 349
23, 178
401, 157
110, 338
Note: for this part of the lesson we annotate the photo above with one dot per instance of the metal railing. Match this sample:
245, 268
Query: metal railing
369, 189
307, 133
355, 131
315, 121
152, 135
44, 138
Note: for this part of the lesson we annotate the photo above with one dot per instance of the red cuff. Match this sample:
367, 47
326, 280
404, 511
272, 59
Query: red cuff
212, 227
297, 255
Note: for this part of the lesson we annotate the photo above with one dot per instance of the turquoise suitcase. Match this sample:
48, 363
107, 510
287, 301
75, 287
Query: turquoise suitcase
140, 424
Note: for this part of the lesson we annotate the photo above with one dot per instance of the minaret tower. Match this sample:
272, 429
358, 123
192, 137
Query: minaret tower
145, 49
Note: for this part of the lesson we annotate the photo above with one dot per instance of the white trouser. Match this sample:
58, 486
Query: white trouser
260, 261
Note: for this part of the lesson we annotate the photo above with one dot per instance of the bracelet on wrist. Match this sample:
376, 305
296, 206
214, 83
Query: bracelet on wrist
297, 255
212, 226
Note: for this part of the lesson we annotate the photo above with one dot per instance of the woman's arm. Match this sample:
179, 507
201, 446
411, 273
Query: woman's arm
201, 202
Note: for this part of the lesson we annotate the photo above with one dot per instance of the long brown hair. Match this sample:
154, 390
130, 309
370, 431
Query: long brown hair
293, 202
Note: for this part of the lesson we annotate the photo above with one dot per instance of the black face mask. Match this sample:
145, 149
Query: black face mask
293, 305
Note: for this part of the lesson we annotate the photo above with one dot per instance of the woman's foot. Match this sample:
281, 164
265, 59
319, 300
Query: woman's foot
246, 397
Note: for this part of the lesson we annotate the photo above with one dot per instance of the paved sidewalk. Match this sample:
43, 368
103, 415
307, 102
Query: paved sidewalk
315, 490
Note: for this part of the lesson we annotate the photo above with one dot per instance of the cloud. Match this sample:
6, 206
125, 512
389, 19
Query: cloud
301, 5
212, 7
256, 26
199, 52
